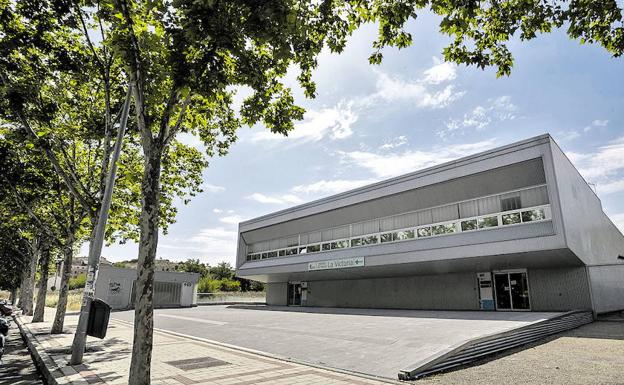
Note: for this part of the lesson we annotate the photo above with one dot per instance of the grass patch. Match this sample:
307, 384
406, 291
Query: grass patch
74, 299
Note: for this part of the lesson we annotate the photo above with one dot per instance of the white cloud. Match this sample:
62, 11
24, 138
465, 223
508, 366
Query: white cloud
280, 199
331, 186
607, 162
335, 123
440, 72
211, 188
496, 110
596, 123
231, 219
394, 143
217, 211
568, 135
604, 167
611, 187
600, 123
393, 164
392, 89
618, 220
212, 245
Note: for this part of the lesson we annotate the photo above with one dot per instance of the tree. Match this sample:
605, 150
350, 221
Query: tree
60, 89
193, 266
222, 271
184, 58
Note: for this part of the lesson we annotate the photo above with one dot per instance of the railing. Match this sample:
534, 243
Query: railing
463, 225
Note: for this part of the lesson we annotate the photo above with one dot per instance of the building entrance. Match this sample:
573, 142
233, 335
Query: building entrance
294, 294
511, 290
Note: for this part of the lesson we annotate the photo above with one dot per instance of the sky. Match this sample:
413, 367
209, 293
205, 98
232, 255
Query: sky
370, 123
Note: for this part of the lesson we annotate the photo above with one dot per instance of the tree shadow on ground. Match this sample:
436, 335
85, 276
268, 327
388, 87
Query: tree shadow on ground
17, 367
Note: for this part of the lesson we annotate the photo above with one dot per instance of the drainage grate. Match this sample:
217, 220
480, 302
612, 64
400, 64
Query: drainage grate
197, 363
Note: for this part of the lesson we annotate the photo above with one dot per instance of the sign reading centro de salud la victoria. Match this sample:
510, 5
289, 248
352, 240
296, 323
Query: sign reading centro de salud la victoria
337, 264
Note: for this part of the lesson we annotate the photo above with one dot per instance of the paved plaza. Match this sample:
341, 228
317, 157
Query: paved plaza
175, 360
371, 342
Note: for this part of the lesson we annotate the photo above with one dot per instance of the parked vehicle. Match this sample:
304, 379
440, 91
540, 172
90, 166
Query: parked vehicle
5, 323
5, 308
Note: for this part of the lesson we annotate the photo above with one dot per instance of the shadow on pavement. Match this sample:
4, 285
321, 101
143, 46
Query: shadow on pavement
17, 367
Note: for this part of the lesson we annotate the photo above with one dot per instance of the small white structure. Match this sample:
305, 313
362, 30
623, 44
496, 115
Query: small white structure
116, 286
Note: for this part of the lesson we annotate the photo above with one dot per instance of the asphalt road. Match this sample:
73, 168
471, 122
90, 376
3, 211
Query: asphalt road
374, 342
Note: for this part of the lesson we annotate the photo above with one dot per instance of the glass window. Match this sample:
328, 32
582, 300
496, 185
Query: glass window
339, 244
424, 232
443, 229
255, 257
402, 235
282, 253
272, 254
291, 251
469, 225
356, 242
488, 222
303, 250
512, 203
265, 255
370, 240
387, 237
510, 219
326, 246
314, 248
249, 256
533, 215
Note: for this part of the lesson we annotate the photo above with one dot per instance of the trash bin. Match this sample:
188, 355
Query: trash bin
98, 318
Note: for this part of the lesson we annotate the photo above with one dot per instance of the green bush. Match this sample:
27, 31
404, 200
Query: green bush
230, 285
78, 282
210, 285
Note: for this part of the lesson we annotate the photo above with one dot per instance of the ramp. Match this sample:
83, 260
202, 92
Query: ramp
481, 347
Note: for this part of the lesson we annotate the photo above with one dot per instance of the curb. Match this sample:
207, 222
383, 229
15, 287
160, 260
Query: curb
43, 362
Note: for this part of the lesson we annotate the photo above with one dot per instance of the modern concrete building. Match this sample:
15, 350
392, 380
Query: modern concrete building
115, 286
514, 228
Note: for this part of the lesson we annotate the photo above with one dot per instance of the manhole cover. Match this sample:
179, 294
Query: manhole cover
196, 363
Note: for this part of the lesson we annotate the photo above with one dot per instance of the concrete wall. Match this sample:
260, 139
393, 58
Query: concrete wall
398, 194
589, 233
447, 291
276, 294
559, 289
607, 287
114, 285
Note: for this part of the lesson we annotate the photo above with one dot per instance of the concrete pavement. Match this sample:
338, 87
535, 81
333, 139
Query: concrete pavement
175, 360
17, 367
368, 341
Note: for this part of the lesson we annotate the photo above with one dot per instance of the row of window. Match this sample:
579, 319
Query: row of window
470, 224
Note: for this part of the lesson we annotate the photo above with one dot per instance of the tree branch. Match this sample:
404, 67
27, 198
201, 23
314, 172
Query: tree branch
30, 212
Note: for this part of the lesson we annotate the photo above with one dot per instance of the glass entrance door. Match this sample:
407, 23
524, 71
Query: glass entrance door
294, 294
512, 290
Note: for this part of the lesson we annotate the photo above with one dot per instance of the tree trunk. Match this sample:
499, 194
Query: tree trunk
43, 284
61, 307
13, 296
28, 281
140, 366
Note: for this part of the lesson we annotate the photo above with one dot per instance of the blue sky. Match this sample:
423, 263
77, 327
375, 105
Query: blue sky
370, 123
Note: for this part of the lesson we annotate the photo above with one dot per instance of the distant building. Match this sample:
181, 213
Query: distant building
116, 287
80, 265
515, 228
